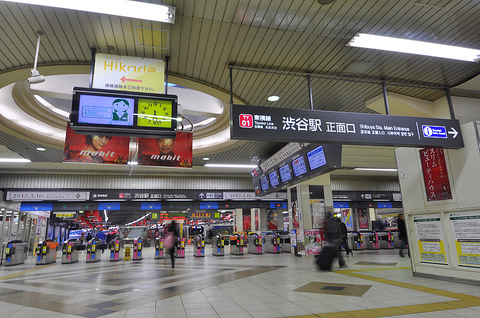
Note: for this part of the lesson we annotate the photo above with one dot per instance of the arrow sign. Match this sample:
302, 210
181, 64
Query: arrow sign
454, 132
123, 79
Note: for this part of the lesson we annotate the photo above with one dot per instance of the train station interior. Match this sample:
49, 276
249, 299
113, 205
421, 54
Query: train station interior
251, 126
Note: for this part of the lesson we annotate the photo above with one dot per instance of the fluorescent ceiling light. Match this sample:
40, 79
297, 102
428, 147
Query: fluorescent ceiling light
386, 43
375, 169
122, 8
214, 165
273, 98
62, 113
41, 149
14, 160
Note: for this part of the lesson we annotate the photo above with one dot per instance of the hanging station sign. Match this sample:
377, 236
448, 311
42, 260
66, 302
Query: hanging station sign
300, 125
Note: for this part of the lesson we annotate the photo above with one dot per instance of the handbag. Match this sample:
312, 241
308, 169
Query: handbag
169, 241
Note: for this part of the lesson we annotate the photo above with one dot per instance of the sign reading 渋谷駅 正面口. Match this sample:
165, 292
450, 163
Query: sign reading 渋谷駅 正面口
300, 125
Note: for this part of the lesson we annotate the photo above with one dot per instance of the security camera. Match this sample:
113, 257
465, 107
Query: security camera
36, 79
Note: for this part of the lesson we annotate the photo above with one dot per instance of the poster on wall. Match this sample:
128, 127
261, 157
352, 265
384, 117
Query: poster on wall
363, 218
272, 223
317, 208
466, 232
295, 216
313, 242
428, 229
347, 218
166, 152
435, 174
95, 148
247, 223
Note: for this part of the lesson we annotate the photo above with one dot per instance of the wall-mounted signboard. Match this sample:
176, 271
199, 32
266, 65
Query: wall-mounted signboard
119, 113
300, 125
311, 161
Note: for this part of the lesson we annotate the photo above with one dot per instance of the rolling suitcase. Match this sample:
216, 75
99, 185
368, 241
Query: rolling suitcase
326, 257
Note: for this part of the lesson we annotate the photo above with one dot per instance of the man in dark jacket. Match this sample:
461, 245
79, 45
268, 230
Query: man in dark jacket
333, 236
342, 229
402, 233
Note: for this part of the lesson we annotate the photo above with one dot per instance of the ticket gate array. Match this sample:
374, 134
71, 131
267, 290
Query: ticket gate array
272, 243
254, 242
159, 248
218, 245
93, 250
70, 251
181, 248
355, 240
46, 252
385, 240
132, 249
285, 245
198, 246
236, 244
15, 252
116, 250
370, 240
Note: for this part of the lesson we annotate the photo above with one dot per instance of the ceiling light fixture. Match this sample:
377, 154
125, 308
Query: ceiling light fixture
376, 169
273, 98
386, 43
14, 160
122, 8
214, 165
41, 149
206, 158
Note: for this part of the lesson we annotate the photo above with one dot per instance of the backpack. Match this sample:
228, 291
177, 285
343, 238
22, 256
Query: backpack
169, 241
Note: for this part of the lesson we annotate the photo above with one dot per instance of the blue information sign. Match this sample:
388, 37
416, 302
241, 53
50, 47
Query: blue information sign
434, 131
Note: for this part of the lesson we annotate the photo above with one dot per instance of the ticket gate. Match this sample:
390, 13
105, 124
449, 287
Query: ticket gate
385, 240
132, 249
198, 246
46, 252
93, 250
272, 243
218, 245
397, 242
355, 240
370, 240
70, 251
137, 249
116, 250
15, 252
285, 245
181, 248
159, 248
254, 242
236, 244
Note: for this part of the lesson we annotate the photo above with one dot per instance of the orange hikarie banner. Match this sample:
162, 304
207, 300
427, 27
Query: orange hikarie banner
166, 152
95, 148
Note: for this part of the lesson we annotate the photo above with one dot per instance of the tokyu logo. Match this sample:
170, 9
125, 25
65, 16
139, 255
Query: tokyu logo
246, 121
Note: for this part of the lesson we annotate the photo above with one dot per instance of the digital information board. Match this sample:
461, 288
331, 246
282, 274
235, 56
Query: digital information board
120, 113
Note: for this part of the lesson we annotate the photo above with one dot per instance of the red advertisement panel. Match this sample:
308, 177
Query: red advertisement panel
95, 148
166, 152
435, 174
363, 218
247, 223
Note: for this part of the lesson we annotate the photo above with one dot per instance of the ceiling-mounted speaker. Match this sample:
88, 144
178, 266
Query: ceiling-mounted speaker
325, 1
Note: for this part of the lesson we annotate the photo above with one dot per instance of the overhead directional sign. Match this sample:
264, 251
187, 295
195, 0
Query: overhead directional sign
300, 125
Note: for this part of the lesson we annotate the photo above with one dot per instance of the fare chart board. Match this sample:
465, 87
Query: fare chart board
300, 125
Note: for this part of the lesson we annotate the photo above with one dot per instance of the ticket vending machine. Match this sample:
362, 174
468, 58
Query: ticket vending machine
370, 240
272, 243
236, 244
46, 252
285, 245
254, 241
180, 248
355, 240
70, 251
198, 246
218, 245
93, 250
159, 248
385, 240
137, 249
15, 252
116, 250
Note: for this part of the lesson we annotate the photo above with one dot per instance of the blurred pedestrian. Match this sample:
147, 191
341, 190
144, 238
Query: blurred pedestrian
402, 234
171, 240
332, 235
343, 236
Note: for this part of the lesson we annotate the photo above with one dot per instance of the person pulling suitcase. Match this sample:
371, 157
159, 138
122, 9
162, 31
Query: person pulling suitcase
331, 247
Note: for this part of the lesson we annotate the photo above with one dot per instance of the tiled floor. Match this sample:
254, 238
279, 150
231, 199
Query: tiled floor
375, 284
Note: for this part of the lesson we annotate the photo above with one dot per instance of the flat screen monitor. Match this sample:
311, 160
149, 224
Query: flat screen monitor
273, 176
298, 166
285, 173
264, 183
316, 158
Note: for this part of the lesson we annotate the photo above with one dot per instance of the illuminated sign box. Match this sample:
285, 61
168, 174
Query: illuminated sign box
120, 113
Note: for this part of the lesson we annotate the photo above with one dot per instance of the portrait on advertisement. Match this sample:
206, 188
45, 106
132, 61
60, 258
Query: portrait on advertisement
166, 151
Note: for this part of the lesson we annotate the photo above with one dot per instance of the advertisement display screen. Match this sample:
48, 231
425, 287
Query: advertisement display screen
105, 110
298, 166
285, 173
264, 183
316, 158
273, 178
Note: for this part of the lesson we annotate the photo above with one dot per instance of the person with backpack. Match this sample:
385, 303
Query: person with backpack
171, 240
342, 228
332, 245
